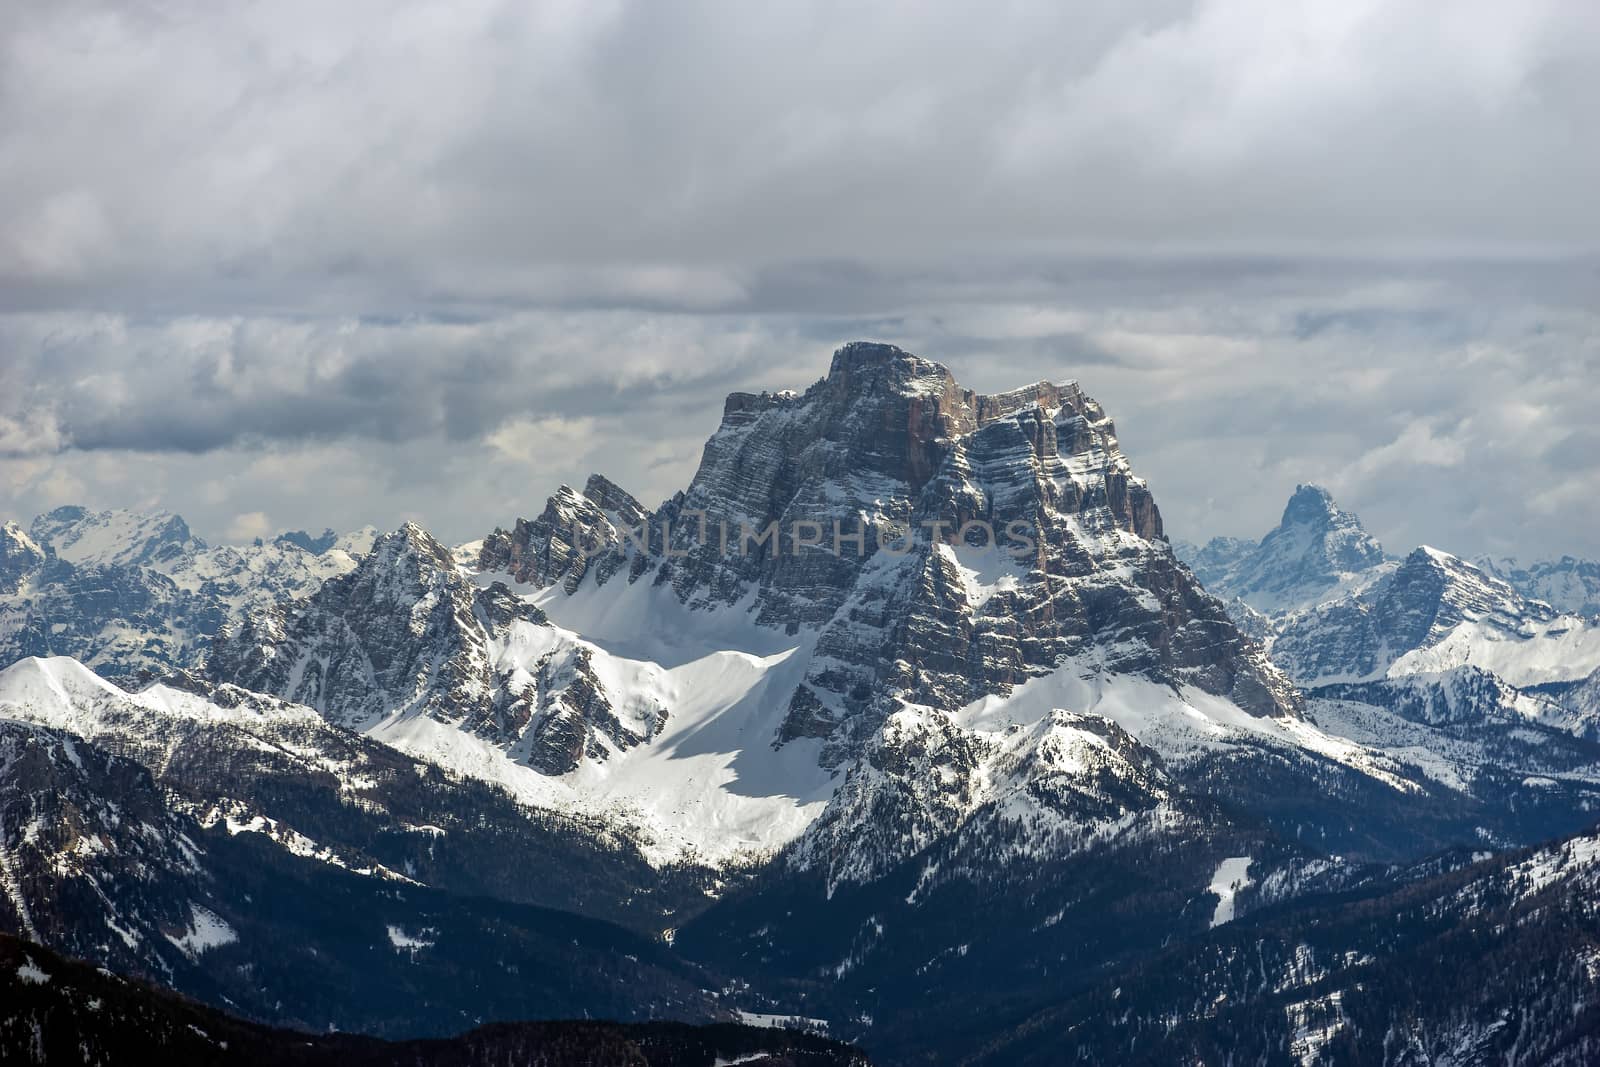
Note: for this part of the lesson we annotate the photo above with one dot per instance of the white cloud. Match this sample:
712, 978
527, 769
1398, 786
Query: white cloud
30, 433
249, 526
1420, 444
543, 442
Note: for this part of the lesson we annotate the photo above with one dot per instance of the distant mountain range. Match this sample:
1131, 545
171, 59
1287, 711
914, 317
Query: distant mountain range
135, 596
903, 720
1339, 615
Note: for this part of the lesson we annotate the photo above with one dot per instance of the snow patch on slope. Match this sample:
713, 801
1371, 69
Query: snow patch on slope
1533, 652
708, 786
1232, 875
207, 930
1179, 723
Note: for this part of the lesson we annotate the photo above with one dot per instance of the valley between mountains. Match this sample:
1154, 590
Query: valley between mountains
1115, 798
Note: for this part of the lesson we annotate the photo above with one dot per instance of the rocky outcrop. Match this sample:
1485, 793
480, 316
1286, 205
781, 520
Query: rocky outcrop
1582, 705
573, 529
304, 541
407, 634
1416, 606
20, 557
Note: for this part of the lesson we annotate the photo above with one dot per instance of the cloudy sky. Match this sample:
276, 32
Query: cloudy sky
282, 265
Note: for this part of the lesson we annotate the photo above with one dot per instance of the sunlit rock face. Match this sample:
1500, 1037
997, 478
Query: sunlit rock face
936, 545
408, 634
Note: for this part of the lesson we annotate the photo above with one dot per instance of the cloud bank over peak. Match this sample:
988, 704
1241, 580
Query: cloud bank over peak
304, 264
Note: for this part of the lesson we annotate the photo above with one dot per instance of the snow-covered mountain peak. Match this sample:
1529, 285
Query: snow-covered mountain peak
1326, 536
573, 530
612, 498
116, 537
14, 539
864, 368
1464, 591
57, 678
1312, 505
1317, 552
410, 547
1334, 610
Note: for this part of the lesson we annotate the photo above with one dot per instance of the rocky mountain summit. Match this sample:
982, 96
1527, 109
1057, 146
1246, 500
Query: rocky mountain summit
599, 644
725, 679
573, 529
935, 546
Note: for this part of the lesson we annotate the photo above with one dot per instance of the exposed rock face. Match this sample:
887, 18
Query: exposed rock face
1317, 550
1417, 606
20, 556
894, 457
574, 528
102, 881
408, 634
302, 540
1582, 705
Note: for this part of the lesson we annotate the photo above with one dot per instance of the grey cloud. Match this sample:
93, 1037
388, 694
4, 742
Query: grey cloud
237, 156
1437, 421
376, 261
